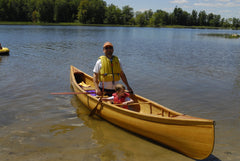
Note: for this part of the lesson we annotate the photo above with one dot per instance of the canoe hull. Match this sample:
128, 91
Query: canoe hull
188, 135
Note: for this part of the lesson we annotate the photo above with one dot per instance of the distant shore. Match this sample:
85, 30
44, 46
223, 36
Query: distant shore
113, 25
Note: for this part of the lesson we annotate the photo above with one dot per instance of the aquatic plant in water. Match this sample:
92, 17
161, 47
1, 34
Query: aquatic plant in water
230, 36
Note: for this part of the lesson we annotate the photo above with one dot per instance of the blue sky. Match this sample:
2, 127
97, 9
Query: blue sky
225, 8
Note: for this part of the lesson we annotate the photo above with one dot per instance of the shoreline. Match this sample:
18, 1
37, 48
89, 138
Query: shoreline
106, 25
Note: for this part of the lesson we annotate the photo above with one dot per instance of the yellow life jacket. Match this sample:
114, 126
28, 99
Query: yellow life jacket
110, 70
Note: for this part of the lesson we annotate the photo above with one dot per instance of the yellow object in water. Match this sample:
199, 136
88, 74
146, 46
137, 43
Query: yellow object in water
4, 51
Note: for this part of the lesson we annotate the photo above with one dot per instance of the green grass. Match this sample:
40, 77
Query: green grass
81, 24
56, 24
37, 23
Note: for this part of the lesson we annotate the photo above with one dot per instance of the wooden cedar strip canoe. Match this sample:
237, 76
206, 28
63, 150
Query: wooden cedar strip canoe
4, 51
188, 135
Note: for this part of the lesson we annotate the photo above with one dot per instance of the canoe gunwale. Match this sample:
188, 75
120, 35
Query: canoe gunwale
148, 117
196, 139
156, 118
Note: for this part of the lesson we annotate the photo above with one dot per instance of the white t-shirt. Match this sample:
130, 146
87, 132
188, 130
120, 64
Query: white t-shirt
107, 85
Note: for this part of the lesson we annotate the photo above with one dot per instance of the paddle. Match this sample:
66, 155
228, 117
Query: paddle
134, 98
64, 93
134, 103
99, 101
95, 108
72, 93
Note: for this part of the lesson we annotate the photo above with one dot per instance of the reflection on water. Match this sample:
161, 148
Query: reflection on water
62, 129
192, 74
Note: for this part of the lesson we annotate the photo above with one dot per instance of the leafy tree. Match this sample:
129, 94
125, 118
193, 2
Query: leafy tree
213, 20
15, 10
181, 17
9, 10
35, 16
202, 18
33, 13
226, 22
113, 15
61, 11
235, 23
216, 20
66, 10
178, 12
96, 11
194, 18
73, 7
92, 11
98, 8
140, 19
83, 14
46, 10
159, 18
4, 10
210, 17
172, 19
127, 15
185, 19
148, 15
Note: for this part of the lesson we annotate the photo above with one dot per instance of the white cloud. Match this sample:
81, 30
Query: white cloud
179, 1
232, 4
208, 4
229, 4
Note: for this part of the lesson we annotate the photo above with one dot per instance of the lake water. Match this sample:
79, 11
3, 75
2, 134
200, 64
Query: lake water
178, 68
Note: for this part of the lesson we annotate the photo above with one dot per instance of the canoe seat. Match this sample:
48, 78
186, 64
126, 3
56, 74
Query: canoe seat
166, 114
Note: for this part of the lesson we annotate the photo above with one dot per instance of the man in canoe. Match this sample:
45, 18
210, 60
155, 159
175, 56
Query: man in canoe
108, 71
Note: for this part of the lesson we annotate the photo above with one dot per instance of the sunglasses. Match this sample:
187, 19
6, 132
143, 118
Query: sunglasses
109, 47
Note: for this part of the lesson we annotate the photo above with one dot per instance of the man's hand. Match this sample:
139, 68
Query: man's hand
130, 90
98, 91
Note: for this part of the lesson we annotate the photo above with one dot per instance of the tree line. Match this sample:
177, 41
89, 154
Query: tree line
98, 12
